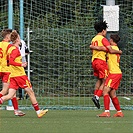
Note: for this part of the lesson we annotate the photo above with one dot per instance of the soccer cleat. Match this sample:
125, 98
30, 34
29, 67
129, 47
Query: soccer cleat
42, 112
19, 113
104, 114
119, 114
96, 102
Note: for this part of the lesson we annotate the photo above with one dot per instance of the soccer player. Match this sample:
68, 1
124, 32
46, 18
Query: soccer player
24, 51
5, 69
99, 64
18, 76
113, 80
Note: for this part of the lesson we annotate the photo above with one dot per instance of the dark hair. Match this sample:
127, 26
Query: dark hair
5, 32
14, 36
115, 37
100, 26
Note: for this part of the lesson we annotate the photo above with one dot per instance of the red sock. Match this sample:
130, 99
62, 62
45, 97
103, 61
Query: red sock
36, 106
1, 100
1, 95
106, 102
15, 103
99, 93
95, 91
116, 103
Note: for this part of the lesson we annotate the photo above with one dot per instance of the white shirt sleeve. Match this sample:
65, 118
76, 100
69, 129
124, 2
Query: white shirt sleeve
22, 49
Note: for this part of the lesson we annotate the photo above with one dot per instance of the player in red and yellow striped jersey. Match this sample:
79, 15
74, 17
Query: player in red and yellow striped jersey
5, 69
113, 80
18, 76
99, 64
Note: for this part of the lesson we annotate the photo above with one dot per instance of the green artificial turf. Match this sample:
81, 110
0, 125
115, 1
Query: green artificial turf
65, 121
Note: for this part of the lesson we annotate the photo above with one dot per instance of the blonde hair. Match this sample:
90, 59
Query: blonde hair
13, 36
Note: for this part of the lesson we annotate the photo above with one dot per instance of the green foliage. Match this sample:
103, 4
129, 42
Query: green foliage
62, 32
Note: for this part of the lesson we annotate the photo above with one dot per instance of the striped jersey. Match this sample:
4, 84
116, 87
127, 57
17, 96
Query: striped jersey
113, 61
99, 40
4, 46
15, 62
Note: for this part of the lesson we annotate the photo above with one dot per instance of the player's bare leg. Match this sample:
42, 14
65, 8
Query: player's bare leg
5, 89
12, 95
34, 102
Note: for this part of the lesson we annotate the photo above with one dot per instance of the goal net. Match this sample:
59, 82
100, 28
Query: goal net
62, 30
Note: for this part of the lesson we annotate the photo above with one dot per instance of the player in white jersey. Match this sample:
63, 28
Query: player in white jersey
24, 51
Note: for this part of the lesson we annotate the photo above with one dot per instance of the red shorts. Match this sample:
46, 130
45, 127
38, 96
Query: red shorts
20, 82
113, 81
5, 76
100, 68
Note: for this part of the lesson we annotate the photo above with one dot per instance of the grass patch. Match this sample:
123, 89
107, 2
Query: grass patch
65, 121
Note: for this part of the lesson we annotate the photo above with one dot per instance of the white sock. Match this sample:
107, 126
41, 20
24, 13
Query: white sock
38, 111
97, 97
106, 111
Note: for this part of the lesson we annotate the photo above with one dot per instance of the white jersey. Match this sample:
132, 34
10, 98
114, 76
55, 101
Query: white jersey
22, 50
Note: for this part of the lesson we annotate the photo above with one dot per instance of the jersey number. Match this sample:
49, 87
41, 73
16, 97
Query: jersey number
94, 43
1, 53
118, 58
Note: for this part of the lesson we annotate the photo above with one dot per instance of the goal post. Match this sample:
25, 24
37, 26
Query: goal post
111, 16
62, 76
10, 25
